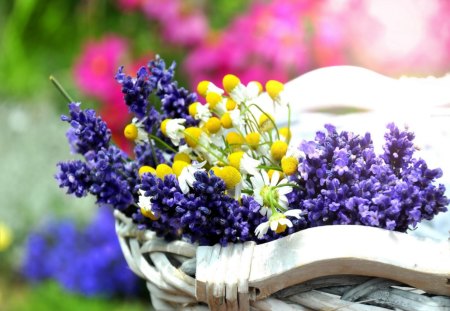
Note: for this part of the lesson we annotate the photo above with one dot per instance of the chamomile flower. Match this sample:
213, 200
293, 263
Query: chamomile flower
278, 222
235, 89
200, 112
135, 132
145, 205
186, 179
244, 163
173, 129
205, 87
275, 90
270, 193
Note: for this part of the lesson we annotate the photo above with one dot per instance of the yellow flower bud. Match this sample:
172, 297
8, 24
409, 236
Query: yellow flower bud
271, 172
202, 88
253, 139
230, 82
226, 120
231, 104
274, 88
178, 166
235, 159
162, 170
212, 98
278, 149
192, 109
131, 132
163, 126
285, 132
213, 125
228, 174
289, 165
234, 139
192, 136
148, 214
181, 156
266, 122
146, 169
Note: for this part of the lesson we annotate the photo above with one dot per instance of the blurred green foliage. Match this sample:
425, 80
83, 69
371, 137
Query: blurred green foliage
50, 296
39, 38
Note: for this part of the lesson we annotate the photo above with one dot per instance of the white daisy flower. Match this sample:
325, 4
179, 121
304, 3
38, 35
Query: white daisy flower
202, 113
248, 165
145, 205
187, 178
135, 131
277, 222
173, 129
268, 192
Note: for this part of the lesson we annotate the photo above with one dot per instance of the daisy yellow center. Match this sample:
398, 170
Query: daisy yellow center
213, 98
192, 136
162, 170
235, 159
269, 195
226, 121
266, 122
163, 126
178, 166
285, 132
193, 109
230, 82
181, 156
234, 139
146, 169
131, 132
229, 174
231, 104
252, 139
148, 214
278, 149
274, 88
213, 125
289, 165
280, 228
202, 88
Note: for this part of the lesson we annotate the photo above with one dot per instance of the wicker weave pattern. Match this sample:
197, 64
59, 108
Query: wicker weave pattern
222, 281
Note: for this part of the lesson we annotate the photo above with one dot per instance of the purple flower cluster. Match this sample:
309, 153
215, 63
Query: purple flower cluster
106, 174
343, 181
88, 132
205, 215
87, 261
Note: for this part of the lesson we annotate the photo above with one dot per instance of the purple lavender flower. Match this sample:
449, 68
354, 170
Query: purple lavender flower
87, 261
88, 132
343, 181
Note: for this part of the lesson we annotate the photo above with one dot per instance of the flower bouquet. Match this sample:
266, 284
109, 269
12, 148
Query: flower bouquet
216, 207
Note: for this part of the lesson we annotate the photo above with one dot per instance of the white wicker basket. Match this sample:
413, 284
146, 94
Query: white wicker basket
323, 268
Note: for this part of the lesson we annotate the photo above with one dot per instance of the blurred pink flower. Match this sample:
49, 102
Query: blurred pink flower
266, 43
182, 23
97, 65
129, 5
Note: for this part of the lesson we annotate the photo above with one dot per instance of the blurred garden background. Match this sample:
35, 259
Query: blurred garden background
55, 253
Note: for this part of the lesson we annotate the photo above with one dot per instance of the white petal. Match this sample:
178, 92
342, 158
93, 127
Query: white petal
274, 224
275, 178
261, 230
285, 221
294, 213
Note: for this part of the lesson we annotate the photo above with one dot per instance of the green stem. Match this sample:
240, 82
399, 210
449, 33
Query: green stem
61, 89
163, 143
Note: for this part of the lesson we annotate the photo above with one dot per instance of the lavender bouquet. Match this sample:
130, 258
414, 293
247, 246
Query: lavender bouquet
219, 169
